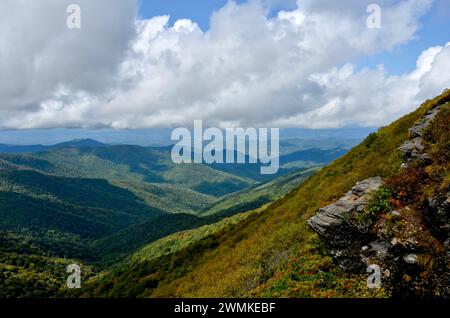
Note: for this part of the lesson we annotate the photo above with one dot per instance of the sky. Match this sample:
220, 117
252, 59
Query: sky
266, 63
200, 11
434, 29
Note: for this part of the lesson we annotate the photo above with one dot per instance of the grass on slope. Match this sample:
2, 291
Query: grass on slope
260, 194
168, 197
180, 240
158, 254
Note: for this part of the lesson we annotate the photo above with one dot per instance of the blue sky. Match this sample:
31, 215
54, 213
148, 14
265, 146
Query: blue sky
435, 27
197, 10
435, 30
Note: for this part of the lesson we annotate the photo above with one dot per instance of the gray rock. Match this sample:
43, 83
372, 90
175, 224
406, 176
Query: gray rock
354, 248
412, 146
410, 258
331, 224
378, 252
413, 149
366, 186
328, 220
381, 248
437, 215
418, 129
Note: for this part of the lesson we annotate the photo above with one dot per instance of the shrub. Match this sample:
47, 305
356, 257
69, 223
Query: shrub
380, 202
407, 184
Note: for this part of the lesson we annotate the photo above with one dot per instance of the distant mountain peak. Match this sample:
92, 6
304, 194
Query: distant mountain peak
81, 143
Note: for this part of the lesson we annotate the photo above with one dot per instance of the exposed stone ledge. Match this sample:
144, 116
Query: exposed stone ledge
340, 237
413, 148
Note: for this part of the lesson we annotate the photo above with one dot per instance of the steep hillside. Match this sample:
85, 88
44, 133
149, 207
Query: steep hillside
90, 217
65, 215
401, 223
122, 242
260, 194
86, 207
275, 253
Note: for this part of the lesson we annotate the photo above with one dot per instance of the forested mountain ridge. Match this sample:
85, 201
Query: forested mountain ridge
92, 204
150, 174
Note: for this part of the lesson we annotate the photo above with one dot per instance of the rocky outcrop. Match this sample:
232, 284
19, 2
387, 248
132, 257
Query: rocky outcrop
413, 149
411, 244
344, 240
437, 215
396, 242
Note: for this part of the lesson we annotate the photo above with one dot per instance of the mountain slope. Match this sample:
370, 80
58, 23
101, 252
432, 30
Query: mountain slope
273, 253
78, 143
65, 215
122, 242
151, 175
147, 172
89, 207
259, 195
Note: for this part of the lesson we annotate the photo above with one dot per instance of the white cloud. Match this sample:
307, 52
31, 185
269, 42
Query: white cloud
40, 56
371, 97
248, 69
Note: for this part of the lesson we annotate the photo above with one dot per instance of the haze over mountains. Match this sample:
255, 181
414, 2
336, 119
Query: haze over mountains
161, 136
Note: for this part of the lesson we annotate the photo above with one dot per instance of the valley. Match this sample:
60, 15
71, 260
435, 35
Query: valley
87, 202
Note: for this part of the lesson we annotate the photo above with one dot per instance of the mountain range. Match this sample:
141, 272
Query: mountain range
98, 203
141, 226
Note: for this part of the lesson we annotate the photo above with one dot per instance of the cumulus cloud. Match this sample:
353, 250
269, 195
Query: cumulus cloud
42, 59
372, 97
292, 69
